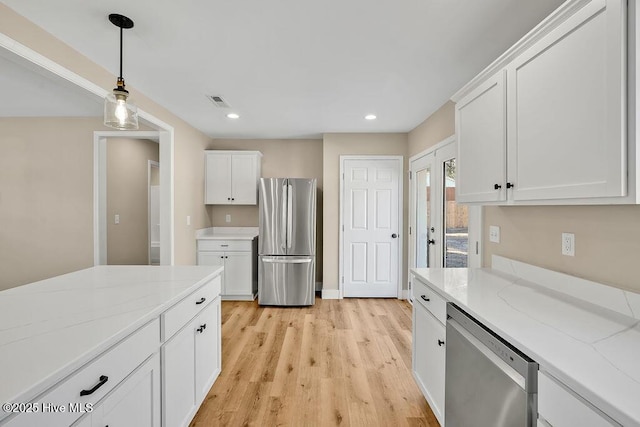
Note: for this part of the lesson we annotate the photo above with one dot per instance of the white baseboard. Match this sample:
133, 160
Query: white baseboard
331, 294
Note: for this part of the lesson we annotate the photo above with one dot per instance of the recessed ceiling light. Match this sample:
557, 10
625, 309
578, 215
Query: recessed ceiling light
370, 117
233, 116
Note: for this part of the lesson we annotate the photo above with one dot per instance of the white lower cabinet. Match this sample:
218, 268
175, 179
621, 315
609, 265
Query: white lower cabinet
135, 402
191, 363
558, 406
429, 357
239, 259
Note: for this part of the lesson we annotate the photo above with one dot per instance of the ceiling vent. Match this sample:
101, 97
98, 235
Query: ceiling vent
218, 101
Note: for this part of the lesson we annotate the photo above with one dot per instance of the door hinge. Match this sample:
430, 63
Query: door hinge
343, 176
410, 175
477, 252
409, 230
342, 227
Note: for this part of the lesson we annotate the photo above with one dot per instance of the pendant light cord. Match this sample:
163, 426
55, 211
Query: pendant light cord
120, 53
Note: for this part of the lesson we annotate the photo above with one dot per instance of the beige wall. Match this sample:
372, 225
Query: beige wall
286, 158
437, 127
127, 196
336, 145
607, 240
189, 142
46, 197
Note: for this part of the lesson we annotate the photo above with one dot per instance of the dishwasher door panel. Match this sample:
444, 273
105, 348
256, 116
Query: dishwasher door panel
478, 392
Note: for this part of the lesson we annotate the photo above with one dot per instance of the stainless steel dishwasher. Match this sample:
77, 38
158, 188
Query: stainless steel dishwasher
488, 382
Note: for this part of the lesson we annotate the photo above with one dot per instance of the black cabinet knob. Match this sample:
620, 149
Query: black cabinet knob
497, 186
440, 343
431, 242
510, 185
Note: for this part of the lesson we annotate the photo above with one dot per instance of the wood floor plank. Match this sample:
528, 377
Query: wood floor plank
337, 363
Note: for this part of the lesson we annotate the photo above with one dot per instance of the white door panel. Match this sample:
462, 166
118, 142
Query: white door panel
371, 218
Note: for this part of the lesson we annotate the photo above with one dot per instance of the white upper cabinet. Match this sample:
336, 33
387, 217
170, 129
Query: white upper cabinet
231, 177
555, 132
482, 136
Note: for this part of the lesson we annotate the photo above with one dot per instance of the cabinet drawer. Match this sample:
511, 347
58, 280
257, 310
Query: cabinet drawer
430, 300
561, 408
178, 315
109, 369
224, 245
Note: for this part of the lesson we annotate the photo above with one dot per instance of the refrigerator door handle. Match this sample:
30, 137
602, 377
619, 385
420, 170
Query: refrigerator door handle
289, 215
286, 261
284, 219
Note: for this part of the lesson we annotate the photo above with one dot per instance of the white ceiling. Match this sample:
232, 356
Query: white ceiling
294, 68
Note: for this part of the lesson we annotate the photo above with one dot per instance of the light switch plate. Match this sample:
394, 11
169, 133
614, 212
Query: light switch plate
494, 234
188, 219
227, 218
568, 244
116, 219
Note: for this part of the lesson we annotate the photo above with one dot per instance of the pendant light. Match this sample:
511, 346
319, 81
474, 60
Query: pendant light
119, 111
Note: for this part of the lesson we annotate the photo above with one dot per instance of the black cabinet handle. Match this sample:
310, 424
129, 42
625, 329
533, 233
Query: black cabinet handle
510, 185
424, 297
103, 381
497, 186
201, 301
202, 328
440, 343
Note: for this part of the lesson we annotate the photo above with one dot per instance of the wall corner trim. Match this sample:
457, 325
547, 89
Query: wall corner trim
331, 294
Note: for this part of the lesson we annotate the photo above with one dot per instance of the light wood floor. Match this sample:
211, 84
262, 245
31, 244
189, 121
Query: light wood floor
337, 363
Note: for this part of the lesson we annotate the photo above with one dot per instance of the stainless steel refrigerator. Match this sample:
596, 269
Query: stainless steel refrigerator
287, 241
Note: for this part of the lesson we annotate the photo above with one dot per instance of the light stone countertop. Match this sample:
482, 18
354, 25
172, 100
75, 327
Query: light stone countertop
227, 233
49, 329
585, 334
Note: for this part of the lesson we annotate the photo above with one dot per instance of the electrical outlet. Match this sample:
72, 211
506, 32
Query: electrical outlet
116, 219
494, 234
569, 244
227, 218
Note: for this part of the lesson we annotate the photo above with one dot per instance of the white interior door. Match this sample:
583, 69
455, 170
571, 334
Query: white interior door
371, 222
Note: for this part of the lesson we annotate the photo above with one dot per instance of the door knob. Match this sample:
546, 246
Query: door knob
394, 235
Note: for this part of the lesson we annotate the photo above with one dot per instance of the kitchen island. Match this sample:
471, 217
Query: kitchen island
85, 347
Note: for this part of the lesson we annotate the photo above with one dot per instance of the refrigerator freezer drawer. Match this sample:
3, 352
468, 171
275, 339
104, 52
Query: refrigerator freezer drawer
286, 280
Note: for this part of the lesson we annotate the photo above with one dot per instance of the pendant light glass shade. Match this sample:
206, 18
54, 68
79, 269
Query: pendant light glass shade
120, 112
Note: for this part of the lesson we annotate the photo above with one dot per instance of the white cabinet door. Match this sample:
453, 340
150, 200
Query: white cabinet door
244, 179
216, 259
481, 132
429, 358
217, 179
238, 274
135, 402
207, 349
178, 391
566, 109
